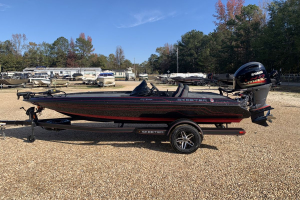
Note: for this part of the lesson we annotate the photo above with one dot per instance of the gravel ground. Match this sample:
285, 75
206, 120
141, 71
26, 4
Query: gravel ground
263, 164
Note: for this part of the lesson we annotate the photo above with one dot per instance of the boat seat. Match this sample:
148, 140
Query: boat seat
178, 91
185, 91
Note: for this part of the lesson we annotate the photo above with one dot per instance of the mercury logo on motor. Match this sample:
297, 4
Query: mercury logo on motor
257, 73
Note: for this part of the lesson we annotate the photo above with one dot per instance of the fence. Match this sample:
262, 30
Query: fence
290, 78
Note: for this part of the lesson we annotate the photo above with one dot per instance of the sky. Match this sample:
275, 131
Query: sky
139, 26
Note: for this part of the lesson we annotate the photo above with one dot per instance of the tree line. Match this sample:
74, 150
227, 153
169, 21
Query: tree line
16, 54
269, 34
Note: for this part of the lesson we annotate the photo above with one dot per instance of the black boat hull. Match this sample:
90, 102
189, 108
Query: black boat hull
146, 109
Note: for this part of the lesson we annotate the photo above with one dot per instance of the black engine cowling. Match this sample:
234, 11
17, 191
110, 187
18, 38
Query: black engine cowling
250, 75
253, 80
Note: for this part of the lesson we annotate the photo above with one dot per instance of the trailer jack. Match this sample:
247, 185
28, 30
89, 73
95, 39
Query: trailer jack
33, 119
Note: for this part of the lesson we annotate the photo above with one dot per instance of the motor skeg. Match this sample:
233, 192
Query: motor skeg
253, 79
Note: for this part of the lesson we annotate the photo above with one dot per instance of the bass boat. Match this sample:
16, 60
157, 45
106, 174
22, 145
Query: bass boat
149, 105
182, 111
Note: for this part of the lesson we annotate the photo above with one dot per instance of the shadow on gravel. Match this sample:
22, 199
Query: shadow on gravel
72, 137
292, 106
206, 146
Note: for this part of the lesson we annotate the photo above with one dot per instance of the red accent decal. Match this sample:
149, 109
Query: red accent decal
261, 108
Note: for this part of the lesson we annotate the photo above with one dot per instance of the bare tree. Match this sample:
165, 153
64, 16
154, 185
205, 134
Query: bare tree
18, 42
119, 56
263, 5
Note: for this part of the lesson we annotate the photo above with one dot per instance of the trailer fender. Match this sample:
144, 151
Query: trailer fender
178, 122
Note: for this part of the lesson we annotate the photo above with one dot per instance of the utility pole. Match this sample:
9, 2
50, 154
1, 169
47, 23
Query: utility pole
177, 60
134, 66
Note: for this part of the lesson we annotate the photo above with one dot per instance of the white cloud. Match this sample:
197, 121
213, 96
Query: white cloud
3, 7
147, 17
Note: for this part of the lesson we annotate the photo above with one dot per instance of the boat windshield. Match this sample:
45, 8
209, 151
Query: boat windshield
141, 90
106, 74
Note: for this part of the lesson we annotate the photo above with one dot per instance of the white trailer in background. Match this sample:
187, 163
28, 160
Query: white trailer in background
61, 72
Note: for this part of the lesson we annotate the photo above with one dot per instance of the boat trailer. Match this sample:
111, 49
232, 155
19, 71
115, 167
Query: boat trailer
185, 135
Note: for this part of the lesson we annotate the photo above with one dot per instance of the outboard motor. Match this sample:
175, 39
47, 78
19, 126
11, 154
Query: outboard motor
210, 76
275, 78
253, 80
273, 74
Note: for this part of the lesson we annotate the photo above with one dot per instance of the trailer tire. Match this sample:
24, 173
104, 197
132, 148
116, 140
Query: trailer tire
101, 84
200, 83
185, 139
31, 138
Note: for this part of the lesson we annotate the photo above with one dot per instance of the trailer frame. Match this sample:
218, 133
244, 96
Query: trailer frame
183, 129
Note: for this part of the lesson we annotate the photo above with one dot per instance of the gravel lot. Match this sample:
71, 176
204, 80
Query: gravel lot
263, 164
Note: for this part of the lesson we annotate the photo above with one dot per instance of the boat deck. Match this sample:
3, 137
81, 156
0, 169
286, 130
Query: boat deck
209, 95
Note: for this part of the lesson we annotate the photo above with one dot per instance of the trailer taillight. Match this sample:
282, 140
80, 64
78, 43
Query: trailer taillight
242, 132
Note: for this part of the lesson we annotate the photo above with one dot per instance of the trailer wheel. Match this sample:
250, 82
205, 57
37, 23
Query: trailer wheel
101, 84
30, 138
185, 139
200, 83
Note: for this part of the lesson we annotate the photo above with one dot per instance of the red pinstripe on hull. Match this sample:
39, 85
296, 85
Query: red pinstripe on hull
150, 119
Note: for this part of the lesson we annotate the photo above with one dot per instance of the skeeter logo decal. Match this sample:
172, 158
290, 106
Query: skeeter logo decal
203, 100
